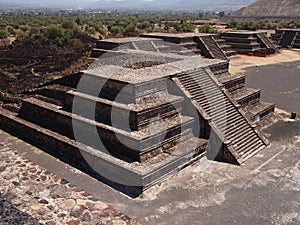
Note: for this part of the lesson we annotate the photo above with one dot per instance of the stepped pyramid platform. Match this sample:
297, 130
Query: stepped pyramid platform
138, 115
250, 43
207, 45
287, 38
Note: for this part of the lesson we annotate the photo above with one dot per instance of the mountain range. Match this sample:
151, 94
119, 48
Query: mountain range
271, 10
131, 4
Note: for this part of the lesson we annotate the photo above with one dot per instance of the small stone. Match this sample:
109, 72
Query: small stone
119, 222
32, 170
50, 223
42, 212
101, 206
44, 194
16, 183
32, 177
25, 174
47, 172
69, 204
56, 178
44, 201
7, 177
90, 205
17, 202
86, 194
94, 199
126, 218
86, 216
2, 168
43, 178
35, 207
80, 202
64, 182
75, 214
22, 165
61, 215
28, 193
77, 189
51, 207
55, 196
73, 222
24, 179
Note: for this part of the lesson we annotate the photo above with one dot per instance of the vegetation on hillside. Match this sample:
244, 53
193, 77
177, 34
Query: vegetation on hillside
61, 27
250, 25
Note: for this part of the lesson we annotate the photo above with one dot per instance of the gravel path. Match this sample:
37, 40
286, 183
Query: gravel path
29, 194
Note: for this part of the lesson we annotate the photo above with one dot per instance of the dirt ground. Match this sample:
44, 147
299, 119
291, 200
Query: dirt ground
278, 77
241, 62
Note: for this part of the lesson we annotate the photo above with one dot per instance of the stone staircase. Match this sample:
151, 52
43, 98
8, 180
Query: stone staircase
267, 43
227, 49
239, 138
212, 49
296, 43
287, 38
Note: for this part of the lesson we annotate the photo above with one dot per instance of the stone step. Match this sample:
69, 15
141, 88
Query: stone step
138, 115
232, 133
248, 154
230, 53
245, 96
244, 146
229, 122
258, 110
229, 116
220, 114
195, 81
238, 46
232, 82
136, 178
244, 134
55, 93
204, 96
233, 126
131, 144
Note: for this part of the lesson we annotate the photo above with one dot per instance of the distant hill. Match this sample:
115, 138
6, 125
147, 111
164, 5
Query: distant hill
271, 10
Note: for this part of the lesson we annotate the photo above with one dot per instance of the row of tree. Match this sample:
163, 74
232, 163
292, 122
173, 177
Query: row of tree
250, 25
111, 24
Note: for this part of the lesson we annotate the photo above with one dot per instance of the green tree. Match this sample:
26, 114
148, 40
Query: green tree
116, 30
186, 27
61, 35
69, 24
131, 30
3, 34
91, 30
207, 28
232, 24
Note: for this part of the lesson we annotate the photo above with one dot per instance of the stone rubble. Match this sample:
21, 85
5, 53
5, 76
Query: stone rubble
29, 194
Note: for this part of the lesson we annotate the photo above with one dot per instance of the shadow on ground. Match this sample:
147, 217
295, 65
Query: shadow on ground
10, 215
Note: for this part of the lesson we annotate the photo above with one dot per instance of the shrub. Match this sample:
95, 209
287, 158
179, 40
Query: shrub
3, 34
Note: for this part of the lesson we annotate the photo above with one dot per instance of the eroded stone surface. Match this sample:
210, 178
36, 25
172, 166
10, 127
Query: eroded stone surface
29, 194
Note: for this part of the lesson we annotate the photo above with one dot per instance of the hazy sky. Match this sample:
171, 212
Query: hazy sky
191, 4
